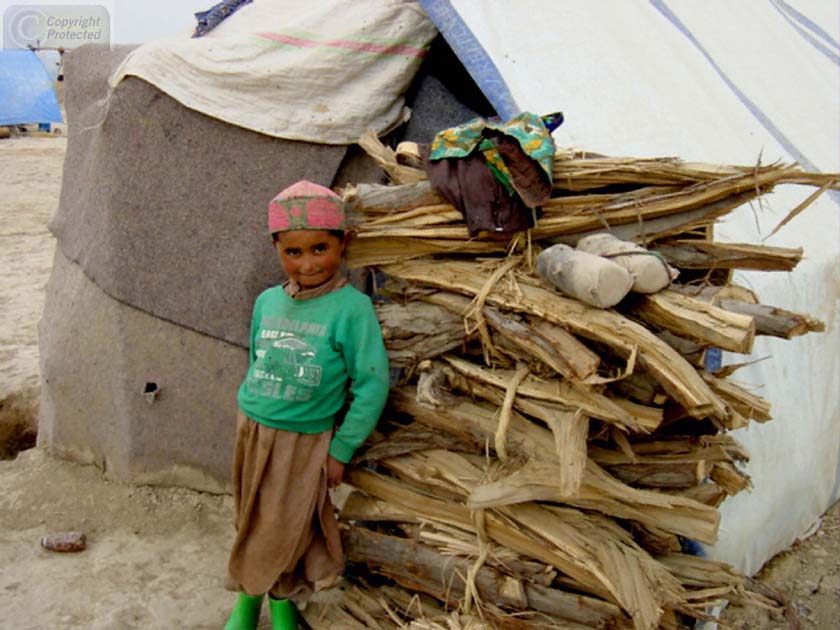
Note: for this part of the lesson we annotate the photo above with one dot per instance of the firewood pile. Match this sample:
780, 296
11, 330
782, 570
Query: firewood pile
544, 463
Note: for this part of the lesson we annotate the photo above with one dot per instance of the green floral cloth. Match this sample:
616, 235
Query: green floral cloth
530, 130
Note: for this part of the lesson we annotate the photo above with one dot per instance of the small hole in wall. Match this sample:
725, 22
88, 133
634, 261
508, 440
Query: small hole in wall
151, 392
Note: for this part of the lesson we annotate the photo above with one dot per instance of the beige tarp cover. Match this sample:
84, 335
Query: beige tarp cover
322, 71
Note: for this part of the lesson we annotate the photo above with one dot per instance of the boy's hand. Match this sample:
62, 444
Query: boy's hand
335, 472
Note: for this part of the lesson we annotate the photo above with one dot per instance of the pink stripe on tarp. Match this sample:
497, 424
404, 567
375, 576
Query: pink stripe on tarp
380, 49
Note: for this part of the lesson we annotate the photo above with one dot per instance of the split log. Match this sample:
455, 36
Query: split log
583, 171
537, 481
703, 254
584, 363
387, 159
453, 541
672, 474
696, 320
720, 447
383, 248
710, 204
698, 196
655, 541
635, 578
421, 568
647, 417
416, 331
694, 197
646, 230
531, 342
477, 424
691, 351
570, 431
550, 343
772, 321
567, 394
674, 469
707, 493
744, 403
363, 508
730, 478
641, 387
523, 439
668, 450
714, 580
714, 293
382, 200
406, 440
439, 214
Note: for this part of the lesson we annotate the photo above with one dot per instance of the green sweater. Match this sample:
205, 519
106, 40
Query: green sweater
305, 355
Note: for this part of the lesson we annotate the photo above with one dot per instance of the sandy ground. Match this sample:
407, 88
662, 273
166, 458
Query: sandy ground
30, 177
155, 556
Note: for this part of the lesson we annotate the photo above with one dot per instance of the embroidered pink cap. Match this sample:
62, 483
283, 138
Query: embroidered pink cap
306, 206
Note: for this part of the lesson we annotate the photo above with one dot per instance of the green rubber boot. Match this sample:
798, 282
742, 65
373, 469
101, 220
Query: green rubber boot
246, 613
283, 614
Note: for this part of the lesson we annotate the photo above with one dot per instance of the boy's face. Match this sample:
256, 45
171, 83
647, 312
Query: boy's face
310, 257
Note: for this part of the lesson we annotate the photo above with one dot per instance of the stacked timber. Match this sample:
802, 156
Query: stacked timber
544, 463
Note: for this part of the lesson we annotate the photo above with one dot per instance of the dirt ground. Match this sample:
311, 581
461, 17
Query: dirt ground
155, 556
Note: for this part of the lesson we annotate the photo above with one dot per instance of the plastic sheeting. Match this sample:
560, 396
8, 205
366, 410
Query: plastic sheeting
724, 82
315, 71
26, 92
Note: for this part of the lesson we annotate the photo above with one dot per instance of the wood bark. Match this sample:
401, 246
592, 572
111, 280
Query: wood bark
743, 402
673, 474
417, 331
696, 320
769, 320
772, 321
703, 254
570, 395
730, 478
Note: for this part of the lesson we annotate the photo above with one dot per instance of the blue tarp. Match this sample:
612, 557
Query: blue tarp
26, 92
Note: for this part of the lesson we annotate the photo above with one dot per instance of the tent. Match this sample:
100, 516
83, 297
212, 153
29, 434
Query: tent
160, 222
26, 91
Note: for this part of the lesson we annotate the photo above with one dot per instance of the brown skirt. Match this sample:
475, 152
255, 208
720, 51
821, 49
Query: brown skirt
287, 539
